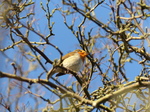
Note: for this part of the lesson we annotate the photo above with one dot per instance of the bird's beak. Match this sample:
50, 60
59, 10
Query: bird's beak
84, 53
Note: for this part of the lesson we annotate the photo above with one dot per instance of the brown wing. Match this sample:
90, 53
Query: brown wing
67, 55
71, 53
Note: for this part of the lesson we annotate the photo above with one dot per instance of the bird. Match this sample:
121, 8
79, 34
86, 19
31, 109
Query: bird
73, 61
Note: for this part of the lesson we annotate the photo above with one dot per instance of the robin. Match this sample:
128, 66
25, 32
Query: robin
72, 61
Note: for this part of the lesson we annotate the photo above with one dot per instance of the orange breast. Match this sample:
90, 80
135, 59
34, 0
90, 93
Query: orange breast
83, 55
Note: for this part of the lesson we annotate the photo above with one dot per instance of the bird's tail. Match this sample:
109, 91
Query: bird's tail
60, 74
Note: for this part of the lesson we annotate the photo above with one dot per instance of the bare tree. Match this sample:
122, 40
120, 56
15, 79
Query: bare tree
114, 33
